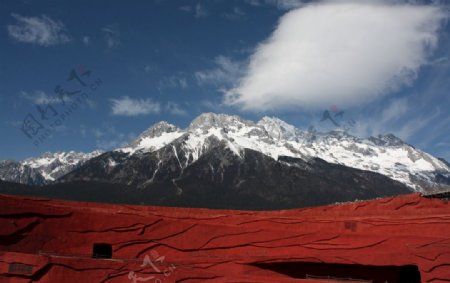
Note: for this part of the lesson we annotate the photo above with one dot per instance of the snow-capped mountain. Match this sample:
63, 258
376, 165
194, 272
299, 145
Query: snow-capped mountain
219, 161
384, 154
223, 161
272, 137
44, 169
154, 138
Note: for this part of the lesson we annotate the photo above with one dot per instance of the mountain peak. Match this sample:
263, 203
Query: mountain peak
155, 131
209, 120
154, 137
387, 140
161, 127
278, 128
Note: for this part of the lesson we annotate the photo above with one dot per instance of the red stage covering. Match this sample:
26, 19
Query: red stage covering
391, 239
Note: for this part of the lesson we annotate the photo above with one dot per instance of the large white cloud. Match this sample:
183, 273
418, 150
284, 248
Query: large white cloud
338, 52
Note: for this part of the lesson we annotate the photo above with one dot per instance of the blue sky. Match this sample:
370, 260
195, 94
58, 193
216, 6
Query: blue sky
385, 63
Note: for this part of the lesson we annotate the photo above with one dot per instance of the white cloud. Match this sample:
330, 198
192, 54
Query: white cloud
226, 72
280, 4
175, 109
395, 110
443, 144
111, 35
149, 68
42, 98
15, 124
338, 52
236, 14
127, 106
403, 119
173, 82
415, 125
185, 8
200, 11
388, 119
42, 31
82, 130
108, 137
86, 40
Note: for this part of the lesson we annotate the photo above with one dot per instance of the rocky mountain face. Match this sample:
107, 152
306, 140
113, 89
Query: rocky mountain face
221, 179
44, 169
224, 161
273, 138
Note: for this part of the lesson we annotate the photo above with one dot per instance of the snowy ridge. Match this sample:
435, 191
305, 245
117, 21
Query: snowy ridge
44, 169
154, 138
387, 154
384, 154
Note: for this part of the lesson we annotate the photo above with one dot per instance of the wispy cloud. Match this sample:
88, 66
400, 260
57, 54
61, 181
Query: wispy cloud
186, 8
395, 110
342, 52
434, 132
416, 125
382, 119
236, 14
108, 137
41, 98
86, 40
111, 33
82, 131
401, 118
280, 4
15, 124
443, 144
127, 106
174, 81
175, 109
200, 11
42, 30
225, 73
149, 68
